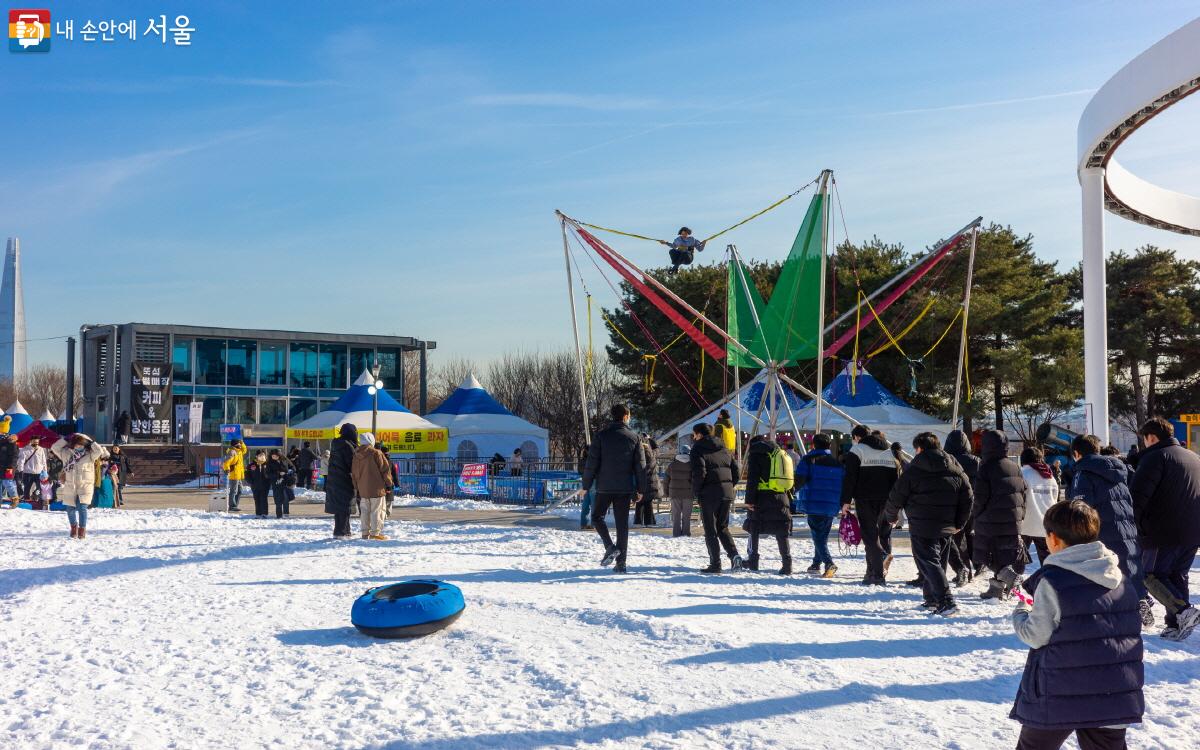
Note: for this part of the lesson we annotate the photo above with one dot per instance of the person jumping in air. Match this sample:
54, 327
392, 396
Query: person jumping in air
683, 249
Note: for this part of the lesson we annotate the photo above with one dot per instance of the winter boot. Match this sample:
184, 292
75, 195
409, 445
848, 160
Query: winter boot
752, 563
1010, 578
1146, 610
74, 531
946, 609
814, 569
914, 583
714, 566
962, 577
830, 571
619, 568
786, 570
82, 532
996, 590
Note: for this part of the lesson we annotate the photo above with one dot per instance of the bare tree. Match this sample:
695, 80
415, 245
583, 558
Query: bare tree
44, 387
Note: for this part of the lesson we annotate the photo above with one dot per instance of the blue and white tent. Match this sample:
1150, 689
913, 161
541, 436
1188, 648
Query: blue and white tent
20, 417
865, 399
393, 421
480, 426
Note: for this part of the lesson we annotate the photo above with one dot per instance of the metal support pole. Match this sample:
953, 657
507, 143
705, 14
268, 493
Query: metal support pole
424, 381
962, 344
69, 413
583, 405
1095, 305
824, 192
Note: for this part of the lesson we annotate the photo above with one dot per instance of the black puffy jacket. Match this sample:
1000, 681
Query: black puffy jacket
934, 493
714, 472
616, 463
871, 470
339, 485
999, 489
768, 505
1166, 495
1100, 481
653, 485
959, 448
8, 455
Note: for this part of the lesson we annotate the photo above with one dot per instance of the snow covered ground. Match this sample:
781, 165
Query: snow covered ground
184, 629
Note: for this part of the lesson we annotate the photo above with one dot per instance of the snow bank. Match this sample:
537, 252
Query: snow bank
172, 628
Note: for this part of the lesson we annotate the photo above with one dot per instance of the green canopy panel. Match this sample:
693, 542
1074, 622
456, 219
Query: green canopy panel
788, 323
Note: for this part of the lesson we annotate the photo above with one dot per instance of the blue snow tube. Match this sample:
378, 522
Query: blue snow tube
407, 609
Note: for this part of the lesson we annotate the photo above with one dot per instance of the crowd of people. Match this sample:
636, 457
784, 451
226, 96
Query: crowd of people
1120, 541
77, 472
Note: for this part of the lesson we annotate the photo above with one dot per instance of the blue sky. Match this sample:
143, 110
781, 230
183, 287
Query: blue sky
394, 167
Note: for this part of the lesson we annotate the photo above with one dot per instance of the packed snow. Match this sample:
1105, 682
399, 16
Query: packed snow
183, 629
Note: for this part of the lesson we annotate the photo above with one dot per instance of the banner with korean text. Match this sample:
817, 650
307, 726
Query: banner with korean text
150, 399
473, 480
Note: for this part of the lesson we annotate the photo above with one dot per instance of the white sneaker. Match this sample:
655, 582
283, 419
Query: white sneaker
1187, 621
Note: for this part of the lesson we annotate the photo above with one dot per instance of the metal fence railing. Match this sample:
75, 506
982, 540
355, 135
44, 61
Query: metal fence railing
527, 489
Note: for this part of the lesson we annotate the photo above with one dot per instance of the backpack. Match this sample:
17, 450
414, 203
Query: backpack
782, 476
849, 531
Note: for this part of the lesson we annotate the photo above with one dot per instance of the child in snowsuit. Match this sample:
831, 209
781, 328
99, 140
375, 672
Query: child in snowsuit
1084, 672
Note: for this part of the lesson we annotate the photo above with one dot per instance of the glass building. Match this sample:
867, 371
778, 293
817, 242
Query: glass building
263, 380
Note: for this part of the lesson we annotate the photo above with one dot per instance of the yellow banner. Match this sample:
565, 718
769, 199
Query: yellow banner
1189, 418
397, 441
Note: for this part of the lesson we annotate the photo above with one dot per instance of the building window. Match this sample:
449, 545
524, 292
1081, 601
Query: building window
301, 409
181, 361
210, 361
241, 361
303, 365
360, 359
240, 410
332, 365
272, 411
325, 403
272, 364
389, 360
213, 416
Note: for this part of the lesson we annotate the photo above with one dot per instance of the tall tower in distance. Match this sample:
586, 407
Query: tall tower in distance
12, 315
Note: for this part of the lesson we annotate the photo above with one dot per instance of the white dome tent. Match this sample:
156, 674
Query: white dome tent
480, 426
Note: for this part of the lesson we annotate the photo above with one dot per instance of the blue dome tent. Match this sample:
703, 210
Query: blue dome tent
479, 426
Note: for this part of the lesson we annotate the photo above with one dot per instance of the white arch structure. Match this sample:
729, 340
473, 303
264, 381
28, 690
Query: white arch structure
1147, 85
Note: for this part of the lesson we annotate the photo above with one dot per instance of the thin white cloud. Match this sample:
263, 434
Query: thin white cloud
560, 100
181, 82
85, 186
270, 83
992, 103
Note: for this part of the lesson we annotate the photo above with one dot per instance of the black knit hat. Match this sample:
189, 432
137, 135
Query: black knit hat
349, 432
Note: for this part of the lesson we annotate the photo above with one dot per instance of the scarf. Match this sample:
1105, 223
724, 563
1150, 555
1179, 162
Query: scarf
77, 455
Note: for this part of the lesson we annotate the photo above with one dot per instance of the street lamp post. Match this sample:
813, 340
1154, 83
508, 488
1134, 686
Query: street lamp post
374, 391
